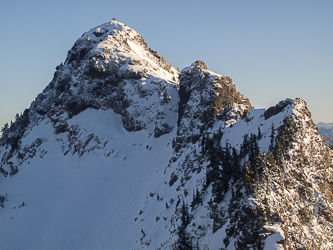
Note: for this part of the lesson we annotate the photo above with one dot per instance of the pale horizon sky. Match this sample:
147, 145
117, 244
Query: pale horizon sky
272, 50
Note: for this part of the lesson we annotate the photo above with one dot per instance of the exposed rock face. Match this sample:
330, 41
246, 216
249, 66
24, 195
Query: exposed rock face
200, 64
213, 92
277, 108
168, 159
205, 96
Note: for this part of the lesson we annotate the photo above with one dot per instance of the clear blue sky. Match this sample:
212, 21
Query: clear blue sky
271, 49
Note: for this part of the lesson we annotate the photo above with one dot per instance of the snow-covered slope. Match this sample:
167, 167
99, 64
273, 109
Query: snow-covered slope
123, 151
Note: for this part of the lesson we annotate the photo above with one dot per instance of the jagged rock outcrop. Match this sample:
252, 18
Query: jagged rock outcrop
277, 108
203, 97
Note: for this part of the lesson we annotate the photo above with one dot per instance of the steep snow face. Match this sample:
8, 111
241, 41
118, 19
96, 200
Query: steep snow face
120, 151
87, 199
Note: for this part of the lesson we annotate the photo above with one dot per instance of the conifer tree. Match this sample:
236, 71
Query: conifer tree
226, 169
254, 154
214, 152
244, 149
259, 134
196, 199
272, 136
235, 165
184, 241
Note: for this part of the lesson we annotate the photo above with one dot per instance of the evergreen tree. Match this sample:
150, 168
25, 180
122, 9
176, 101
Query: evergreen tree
259, 134
213, 150
249, 178
272, 136
5, 128
4, 134
254, 153
212, 169
244, 149
218, 188
185, 216
235, 165
222, 174
184, 241
166, 98
226, 169
196, 199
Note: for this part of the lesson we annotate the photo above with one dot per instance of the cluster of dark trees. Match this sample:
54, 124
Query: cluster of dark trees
11, 135
225, 165
228, 166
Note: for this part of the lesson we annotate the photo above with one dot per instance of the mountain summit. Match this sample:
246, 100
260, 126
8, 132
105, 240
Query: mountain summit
123, 151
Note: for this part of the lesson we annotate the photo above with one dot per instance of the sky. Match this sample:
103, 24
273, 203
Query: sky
272, 50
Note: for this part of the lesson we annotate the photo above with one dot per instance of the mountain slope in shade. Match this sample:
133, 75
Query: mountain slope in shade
326, 130
123, 151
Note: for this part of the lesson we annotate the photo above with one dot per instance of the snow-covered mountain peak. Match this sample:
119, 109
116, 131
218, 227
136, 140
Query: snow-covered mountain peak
328, 125
120, 144
114, 45
109, 28
110, 66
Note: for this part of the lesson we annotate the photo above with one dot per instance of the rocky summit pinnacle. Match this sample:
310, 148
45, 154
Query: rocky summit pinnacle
121, 150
